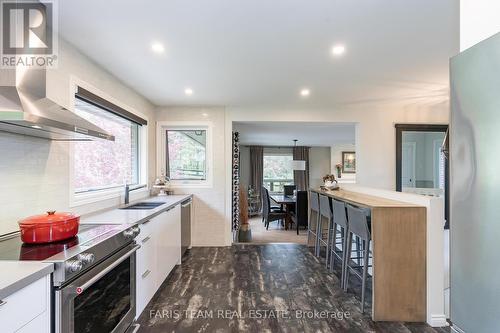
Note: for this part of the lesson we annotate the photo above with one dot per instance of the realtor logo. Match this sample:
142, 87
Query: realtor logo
28, 30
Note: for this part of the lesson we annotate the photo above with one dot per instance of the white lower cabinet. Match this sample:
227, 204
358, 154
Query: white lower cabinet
160, 251
27, 310
145, 267
168, 250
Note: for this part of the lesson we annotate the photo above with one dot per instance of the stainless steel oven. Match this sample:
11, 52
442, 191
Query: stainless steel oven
101, 299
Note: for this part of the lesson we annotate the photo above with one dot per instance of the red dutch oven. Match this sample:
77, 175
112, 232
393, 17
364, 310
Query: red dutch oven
50, 227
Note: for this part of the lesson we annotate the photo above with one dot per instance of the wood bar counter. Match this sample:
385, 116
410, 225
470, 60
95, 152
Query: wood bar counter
399, 255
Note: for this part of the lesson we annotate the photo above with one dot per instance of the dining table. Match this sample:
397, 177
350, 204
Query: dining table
287, 202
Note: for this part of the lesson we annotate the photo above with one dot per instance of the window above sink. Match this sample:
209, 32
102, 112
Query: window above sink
99, 170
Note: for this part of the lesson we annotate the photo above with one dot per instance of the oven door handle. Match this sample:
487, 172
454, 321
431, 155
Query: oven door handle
105, 271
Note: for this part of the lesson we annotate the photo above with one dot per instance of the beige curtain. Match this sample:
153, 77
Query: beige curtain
300, 177
257, 168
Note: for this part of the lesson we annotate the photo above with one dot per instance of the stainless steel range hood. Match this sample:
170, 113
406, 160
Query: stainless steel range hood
25, 109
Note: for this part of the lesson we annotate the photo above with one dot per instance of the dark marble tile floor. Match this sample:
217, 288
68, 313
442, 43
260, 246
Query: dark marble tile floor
260, 288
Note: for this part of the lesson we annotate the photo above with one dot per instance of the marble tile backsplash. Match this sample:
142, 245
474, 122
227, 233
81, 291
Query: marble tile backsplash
34, 177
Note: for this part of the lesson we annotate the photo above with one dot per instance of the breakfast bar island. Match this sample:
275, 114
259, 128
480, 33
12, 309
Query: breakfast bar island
399, 239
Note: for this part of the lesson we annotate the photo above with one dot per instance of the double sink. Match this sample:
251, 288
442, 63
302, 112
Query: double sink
144, 205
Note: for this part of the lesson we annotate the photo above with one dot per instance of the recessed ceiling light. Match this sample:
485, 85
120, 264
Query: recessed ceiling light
338, 50
36, 126
157, 47
204, 114
188, 91
305, 92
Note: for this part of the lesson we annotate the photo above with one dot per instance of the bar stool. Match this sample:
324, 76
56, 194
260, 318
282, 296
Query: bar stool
358, 225
325, 220
312, 225
340, 227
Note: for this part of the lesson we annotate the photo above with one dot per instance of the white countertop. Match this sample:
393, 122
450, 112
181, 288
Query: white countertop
19, 274
133, 216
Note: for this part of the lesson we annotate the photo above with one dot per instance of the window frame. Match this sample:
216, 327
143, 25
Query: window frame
94, 196
276, 153
161, 131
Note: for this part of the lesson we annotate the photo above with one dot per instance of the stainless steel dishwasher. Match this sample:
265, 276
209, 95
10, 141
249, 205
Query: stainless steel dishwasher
186, 225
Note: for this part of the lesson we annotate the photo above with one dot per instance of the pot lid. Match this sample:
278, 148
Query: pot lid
49, 218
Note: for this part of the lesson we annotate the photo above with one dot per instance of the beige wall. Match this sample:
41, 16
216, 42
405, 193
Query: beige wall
336, 158
210, 226
319, 165
35, 173
245, 166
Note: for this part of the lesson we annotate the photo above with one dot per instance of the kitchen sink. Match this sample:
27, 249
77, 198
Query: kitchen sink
144, 205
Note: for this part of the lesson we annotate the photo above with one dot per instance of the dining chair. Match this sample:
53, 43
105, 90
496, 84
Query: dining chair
273, 208
299, 216
268, 214
288, 189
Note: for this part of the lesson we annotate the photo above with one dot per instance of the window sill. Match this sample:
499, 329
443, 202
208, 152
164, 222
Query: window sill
82, 199
187, 184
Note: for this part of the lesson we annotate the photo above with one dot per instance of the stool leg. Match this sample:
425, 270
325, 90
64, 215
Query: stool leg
309, 231
328, 239
318, 235
343, 234
333, 247
347, 259
366, 255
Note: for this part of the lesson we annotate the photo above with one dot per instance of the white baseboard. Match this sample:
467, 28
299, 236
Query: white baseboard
455, 329
447, 302
438, 321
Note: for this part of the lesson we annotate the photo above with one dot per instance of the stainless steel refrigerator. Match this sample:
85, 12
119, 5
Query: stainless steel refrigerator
475, 188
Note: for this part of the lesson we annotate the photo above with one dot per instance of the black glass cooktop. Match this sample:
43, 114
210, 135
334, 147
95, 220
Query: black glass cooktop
15, 249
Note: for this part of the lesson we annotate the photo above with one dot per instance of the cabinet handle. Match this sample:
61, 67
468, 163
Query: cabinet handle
2, 302
146, 273
146, 239
146, 222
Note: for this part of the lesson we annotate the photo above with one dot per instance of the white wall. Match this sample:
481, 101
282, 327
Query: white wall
34, 173
210, 226
319, 165
479, 19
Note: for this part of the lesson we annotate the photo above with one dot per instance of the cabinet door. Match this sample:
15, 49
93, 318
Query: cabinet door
37, 325
145, 270
30, 303
168, 250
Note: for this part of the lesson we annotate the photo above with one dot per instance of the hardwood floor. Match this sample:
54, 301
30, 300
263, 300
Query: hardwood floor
275, 234
260, 288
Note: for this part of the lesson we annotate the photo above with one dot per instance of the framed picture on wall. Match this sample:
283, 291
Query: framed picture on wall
348, 162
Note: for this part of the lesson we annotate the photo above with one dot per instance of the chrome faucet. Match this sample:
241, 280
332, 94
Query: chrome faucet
128, 190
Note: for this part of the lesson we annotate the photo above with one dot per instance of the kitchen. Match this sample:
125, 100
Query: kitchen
125, 138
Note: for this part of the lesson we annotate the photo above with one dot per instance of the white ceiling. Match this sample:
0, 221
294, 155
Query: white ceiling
283, 133
260, 53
